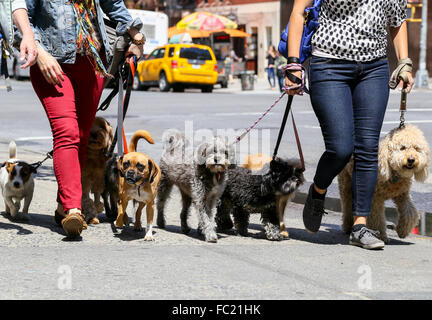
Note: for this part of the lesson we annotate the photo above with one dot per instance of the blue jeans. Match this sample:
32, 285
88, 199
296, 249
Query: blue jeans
271, 76
350, 99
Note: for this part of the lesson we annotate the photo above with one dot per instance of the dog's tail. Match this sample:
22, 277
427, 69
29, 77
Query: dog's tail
140, 134
12, 150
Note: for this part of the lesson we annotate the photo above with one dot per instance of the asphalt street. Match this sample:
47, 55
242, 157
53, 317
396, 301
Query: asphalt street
109, 263
23, 119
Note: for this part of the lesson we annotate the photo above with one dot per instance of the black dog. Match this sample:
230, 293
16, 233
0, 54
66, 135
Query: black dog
110, 194
258, 192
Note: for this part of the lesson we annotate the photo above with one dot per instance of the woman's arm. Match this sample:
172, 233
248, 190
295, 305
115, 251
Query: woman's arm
28, 45
295, 32
116, 11
399, 36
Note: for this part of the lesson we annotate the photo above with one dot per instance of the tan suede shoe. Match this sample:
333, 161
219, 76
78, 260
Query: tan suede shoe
74, 223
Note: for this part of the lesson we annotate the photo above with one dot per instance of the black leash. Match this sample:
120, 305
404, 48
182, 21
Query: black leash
285, 118
36, 165
282, 128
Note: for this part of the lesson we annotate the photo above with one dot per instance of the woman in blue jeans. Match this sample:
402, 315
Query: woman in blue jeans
349, 89
271, 57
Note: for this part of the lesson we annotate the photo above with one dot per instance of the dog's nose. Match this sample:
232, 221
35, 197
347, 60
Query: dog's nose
16, 185
217, 159
410, 160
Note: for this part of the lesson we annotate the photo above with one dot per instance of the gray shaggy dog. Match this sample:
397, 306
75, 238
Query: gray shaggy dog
258, 192
201, 179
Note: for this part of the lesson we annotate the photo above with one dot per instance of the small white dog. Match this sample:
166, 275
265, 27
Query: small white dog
17, 183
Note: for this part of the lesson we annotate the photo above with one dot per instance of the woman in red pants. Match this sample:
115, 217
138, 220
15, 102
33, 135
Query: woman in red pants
68, 79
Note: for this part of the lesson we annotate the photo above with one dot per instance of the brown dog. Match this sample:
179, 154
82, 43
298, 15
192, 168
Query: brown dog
255, 162
92, 175
139, 178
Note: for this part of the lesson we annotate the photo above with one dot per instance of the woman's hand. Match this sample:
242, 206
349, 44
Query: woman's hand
28, 47
406, 82
49, 67
289, 83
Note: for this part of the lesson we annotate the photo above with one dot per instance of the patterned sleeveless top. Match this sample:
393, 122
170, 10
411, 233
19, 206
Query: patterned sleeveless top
357, 30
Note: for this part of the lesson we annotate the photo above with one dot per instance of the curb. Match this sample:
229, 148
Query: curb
334, 204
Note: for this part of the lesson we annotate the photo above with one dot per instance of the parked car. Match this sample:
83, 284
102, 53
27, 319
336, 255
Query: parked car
178, 66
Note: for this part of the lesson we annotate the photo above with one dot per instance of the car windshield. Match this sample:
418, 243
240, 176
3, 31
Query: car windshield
195, 53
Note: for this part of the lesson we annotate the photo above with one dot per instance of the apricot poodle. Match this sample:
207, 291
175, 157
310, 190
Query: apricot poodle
403, 154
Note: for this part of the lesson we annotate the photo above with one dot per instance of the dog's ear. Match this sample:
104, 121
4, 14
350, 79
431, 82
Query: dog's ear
120, 166
153, 170
423, 174
383, 159
274, 164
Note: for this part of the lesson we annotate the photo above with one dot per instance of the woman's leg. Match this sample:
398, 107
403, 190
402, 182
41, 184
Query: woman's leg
59, 105
88, 89
370, 98
269, 76
332, 104
331, 97
274, 77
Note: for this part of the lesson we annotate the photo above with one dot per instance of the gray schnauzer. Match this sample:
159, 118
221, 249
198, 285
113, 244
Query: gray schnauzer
201, 179
266, 191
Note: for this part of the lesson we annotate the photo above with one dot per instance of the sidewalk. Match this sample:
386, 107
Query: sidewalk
111, 263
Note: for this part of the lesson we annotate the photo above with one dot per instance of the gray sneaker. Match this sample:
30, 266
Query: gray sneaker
366, 238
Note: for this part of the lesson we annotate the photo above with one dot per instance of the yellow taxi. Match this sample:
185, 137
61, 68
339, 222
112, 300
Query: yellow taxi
178, 66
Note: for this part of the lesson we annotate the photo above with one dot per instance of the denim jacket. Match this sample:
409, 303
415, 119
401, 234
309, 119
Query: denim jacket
6, 9
54, 25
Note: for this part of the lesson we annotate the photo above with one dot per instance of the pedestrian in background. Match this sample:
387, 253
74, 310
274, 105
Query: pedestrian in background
16, 9
69, 78
279, 63
271, 57
349, 90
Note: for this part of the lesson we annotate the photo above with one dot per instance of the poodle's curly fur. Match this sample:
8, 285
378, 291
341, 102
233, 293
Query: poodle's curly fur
403, 154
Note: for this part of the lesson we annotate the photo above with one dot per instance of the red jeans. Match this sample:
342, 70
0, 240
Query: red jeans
71, 111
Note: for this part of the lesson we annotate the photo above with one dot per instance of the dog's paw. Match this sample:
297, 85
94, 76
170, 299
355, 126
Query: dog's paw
149, 237
272, 232
94, 221
211, 237
185, 229
119, 223
284, 234
138, 228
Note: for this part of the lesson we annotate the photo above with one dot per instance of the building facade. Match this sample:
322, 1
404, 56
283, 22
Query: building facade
260, 18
